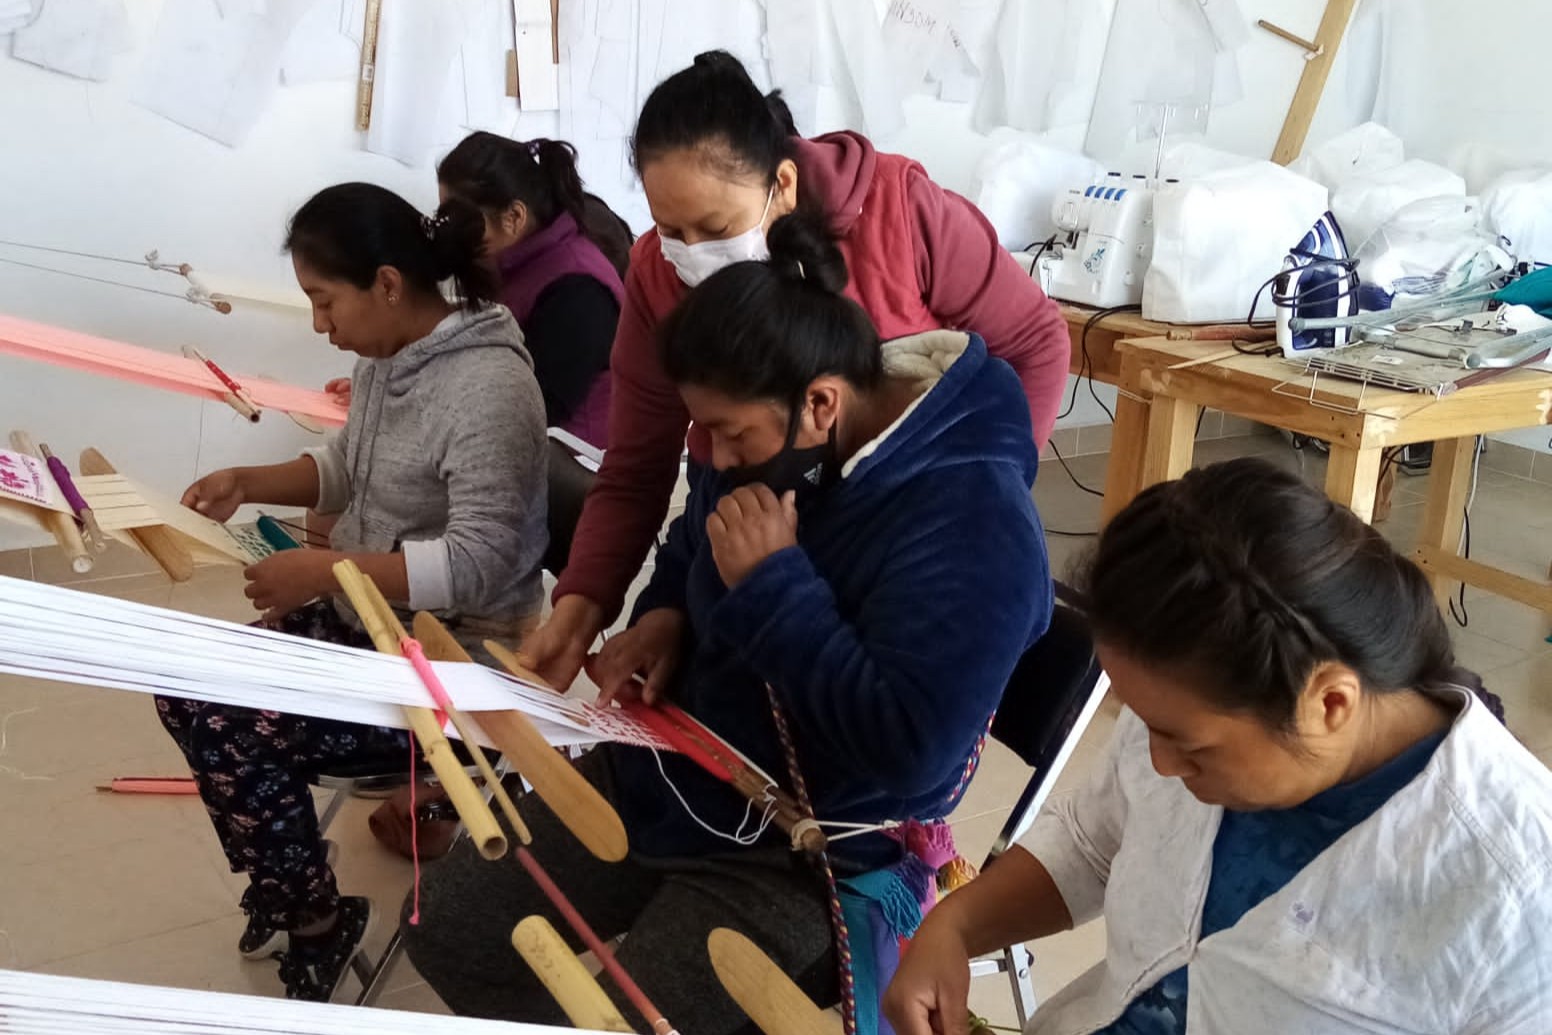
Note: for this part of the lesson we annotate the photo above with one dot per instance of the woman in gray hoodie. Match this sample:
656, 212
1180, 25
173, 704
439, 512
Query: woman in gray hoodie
439, 481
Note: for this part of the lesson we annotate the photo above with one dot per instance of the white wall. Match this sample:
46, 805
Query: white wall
82, 167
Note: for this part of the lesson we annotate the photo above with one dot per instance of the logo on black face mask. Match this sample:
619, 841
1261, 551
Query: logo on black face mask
806, 471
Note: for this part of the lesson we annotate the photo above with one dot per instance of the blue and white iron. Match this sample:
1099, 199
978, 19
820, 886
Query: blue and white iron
1319, 280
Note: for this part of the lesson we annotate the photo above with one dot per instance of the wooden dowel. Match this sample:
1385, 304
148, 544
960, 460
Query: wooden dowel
1278, 30
386, 631
584, 811
581, 998
158, 541
62, 526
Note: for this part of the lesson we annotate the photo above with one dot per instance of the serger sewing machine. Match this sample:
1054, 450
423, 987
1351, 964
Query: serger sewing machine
1109, 228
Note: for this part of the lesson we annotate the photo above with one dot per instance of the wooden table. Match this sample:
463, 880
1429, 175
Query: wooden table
1164, 384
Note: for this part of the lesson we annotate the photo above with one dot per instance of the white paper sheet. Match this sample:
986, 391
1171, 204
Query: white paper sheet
15, 14
862, 75
538, 76
76, 37
479, 82
320, 50
215, 72
1160, 52
353, 20
794, 44
915, 32
1041, 69
418, 42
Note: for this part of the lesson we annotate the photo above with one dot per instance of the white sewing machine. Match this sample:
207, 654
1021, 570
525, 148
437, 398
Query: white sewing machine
1109, 245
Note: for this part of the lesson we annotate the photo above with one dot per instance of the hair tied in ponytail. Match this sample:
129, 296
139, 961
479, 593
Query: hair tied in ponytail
431, 224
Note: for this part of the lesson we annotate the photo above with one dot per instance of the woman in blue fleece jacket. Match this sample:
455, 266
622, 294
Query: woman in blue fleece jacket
864, 544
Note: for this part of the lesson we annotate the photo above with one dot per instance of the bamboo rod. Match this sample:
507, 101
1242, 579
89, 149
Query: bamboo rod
383, 626
583, 1000
433, 634
61, 525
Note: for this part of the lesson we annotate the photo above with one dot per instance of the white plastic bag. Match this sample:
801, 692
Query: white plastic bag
1428, 246
1518, 207
1364, 202
1019, 178
1361, 151
1217, 237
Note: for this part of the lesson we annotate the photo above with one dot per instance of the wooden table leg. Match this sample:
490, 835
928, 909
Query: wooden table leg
1353, 478
1171, 440
1449, 476
1123, 469
1387, 489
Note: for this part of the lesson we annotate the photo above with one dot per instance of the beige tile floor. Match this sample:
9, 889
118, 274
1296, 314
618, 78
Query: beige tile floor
136, 889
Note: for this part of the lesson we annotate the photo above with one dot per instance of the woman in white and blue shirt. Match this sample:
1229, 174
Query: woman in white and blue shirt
1309, 820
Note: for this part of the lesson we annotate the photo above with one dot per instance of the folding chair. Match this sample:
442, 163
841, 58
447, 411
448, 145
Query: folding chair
1049, 701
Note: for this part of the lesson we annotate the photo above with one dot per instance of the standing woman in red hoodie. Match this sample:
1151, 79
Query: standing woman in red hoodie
720, 163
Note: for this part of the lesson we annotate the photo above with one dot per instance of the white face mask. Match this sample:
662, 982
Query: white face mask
695, 262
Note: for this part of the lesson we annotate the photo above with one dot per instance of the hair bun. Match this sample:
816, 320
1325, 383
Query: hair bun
721, 62
802, 248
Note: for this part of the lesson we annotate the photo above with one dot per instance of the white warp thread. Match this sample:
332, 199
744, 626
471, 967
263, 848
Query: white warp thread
45, 1004
59, 634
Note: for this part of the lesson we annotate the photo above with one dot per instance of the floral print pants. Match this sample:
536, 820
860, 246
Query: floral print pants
252, 769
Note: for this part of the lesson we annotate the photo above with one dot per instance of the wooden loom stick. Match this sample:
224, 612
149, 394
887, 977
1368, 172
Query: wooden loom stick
762, 990
1312, 81
83, 511
583, 1000
158, 541
574, 801
695, 741
60, 524
660, 1024
442, 646
383, 626
235, 396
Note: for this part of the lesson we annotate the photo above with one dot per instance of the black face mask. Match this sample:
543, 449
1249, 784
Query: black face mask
807, 471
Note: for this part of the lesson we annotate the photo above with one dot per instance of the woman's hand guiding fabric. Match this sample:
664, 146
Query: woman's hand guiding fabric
649, 649
749, 524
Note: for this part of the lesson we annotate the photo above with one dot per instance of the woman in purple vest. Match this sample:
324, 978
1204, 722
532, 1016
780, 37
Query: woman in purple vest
543, 236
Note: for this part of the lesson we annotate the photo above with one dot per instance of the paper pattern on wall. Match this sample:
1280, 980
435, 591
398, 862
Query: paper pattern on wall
418, 42
538, 76
76, 37
321, 48
794, 44
15, 14
915, 32
1159, 53
862, 71
214, 68
476, 96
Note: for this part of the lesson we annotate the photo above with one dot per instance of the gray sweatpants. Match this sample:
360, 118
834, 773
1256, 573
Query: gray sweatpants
469, 905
